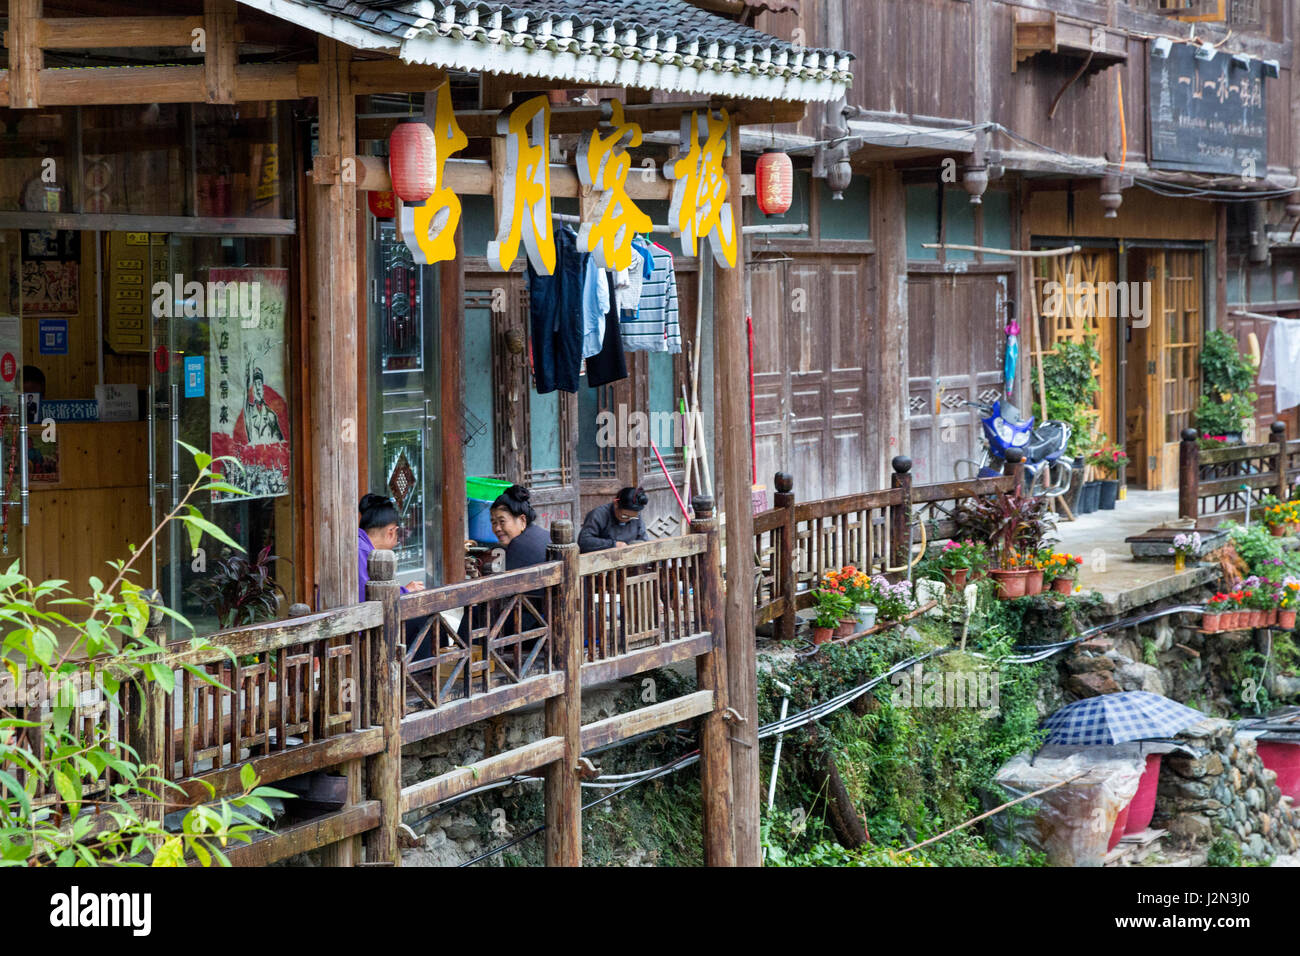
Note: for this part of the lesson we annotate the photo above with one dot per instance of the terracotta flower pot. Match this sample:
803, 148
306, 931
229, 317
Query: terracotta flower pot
1033, 582
1063, 585
956, 578
1272, 617
1277, 530
1010, 582
847, 626
1257, 618
822, 634
1212, 621
1286, 619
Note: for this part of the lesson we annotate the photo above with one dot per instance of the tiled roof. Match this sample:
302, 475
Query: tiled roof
654, 44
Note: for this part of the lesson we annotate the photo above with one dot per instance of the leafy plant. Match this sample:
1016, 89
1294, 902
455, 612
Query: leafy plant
1012, 523
1226, 376
68, 645
831, 607
1070, 382
240, 591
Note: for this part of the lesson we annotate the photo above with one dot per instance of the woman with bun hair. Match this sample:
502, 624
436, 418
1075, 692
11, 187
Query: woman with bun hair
514, 524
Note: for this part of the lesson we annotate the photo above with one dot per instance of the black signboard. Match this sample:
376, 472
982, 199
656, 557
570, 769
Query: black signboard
1208, 115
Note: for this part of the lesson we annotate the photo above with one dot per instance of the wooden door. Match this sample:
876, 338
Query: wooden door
956, 349
1075, 302
811, 344
1179, 320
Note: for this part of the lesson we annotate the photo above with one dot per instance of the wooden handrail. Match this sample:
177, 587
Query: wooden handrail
610, 559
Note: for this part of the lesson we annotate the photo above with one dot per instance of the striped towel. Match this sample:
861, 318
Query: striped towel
654, 326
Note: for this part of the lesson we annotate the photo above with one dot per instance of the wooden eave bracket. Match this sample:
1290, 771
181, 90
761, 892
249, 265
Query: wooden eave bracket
1041, 31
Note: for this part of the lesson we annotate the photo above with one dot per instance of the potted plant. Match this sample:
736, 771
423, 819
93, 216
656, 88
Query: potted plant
1070, 386
1256, 601
1226, 377
857, 586
1110, 462
1060, 570
1185, 546
830, 606
958, 560
893, 601
1216, 609
239, 589
1014, 524
1034, 579
1281, 517
1288, 597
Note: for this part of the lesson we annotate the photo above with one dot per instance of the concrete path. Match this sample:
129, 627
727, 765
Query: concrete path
1108, 564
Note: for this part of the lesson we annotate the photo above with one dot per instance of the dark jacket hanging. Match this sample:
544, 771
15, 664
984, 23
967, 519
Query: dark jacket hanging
609, 364
555, 316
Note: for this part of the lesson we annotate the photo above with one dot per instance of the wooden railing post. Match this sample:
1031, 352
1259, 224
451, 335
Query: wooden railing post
786, 573
1189, 474
564, 713
900, 515
384, 769
1014, 465
147, 729
711, 674
1277, 435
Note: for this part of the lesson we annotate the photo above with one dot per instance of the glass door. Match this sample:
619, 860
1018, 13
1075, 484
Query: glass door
403, 402
220, 382
14, 419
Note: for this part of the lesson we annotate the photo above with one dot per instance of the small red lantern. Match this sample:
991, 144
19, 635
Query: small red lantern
383, 205
774, 182
412, 153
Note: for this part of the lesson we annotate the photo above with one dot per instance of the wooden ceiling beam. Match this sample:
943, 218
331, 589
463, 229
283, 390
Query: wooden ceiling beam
221, 50
102, 33
25, 57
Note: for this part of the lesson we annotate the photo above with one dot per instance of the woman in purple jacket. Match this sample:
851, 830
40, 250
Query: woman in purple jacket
378, 530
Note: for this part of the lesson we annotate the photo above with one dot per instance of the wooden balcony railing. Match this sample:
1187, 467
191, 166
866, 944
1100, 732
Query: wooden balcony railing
1221, 483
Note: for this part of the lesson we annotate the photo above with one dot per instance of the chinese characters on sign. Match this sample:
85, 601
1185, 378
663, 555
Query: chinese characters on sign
248, 412
603, 164
430, 229
700, 206
524, 206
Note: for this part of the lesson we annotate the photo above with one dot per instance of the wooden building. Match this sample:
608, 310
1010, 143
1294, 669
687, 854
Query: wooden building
190, 253
1151, 134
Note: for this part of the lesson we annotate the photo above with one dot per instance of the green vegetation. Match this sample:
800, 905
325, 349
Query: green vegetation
1226, 377
1070, 383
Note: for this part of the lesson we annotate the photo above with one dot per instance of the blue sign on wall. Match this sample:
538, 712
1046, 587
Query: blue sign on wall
194, 376
54, 336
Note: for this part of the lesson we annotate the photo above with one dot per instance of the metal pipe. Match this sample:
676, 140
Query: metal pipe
776, 755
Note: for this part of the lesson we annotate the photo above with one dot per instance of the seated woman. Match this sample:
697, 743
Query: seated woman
514, 524
615, 524
378, 530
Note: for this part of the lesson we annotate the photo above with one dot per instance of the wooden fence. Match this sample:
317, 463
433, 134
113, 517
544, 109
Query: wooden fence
345, 689
795, 542
1221, 483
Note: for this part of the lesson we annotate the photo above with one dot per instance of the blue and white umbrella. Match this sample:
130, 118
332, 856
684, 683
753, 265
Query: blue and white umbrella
1116, 718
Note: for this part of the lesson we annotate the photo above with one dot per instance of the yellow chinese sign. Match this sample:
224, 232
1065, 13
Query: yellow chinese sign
524, 204
700, 206
603, 164
430, 229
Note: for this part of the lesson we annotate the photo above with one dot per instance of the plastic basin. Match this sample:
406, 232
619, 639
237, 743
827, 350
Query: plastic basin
479, 526
1143, 805
1284, 760
485, 489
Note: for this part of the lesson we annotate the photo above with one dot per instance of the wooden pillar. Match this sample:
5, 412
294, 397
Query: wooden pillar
451, 351
221, 50
564, 713
1277, 435
789, 575
900, 515
25, 56
889, 342
735, 467
1189, 474
332, 338
711, 674
384, 769
1014, 465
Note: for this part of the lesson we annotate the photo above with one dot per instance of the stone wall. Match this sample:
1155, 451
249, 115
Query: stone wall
1226, 790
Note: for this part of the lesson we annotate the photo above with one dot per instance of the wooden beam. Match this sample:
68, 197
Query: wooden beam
451, 329
890, 344
324, 831
644, 719
317, 755
221, 50
529, 757
394, 76
332, 342
635, 662
564, 711
431, 723
25, 57
473, 177
101, 33
735, 466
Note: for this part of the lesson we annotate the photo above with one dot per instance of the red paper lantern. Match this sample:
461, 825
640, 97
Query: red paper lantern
774, 182
383, 205
412, 152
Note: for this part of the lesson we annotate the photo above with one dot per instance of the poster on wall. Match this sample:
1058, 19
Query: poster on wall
248, 412
51, 272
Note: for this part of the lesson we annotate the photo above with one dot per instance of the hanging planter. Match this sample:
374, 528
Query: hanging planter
412, 156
